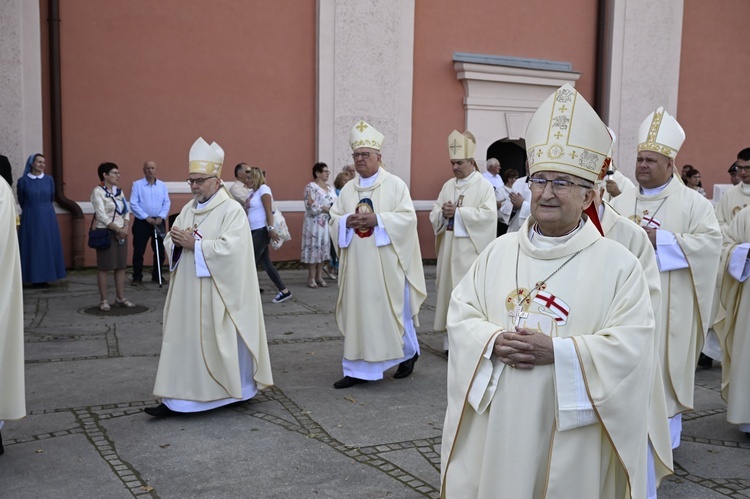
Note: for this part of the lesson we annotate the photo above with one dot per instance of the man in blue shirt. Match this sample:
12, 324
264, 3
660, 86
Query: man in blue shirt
149, 201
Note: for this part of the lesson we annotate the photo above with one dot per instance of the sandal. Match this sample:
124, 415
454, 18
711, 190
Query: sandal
321, 283
311, 284
104, 306
124, 303
329, 272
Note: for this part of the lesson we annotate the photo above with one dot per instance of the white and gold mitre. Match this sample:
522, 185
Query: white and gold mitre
566, 135
461, 145
364, 135
206, 158
661, 133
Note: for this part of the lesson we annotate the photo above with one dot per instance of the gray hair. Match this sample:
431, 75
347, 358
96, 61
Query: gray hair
492, 162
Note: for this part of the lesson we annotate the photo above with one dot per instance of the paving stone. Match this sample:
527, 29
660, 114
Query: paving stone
89, 378
68, 466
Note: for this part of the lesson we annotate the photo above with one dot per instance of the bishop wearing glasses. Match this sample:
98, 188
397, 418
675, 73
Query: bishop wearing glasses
551, 365
214, 350
381, 281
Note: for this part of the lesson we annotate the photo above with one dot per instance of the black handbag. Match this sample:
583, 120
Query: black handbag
99, 239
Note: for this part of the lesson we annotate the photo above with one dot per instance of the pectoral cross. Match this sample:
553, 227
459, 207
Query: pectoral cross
517, 314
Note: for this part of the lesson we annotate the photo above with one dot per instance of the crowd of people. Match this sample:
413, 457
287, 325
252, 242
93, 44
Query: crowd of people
572, 299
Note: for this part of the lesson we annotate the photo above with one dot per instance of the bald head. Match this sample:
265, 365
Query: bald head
149, 170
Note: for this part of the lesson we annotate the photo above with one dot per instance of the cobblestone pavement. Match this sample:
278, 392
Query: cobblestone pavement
88, 378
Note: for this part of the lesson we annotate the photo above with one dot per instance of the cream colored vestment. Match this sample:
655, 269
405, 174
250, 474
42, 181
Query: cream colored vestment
478, 216
514, 444
686, 292
204, 315
12, 391
732, 324
634, 238
371, 278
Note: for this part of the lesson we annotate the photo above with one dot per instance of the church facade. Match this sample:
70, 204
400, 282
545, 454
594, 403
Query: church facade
279, 84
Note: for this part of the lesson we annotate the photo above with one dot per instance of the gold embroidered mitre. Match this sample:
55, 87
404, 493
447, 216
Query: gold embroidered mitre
364, 135
661, 133
566, 135
461, 145
206, 158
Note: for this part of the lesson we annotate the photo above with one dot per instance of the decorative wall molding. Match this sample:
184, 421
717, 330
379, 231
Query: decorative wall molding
289, 206
502, 93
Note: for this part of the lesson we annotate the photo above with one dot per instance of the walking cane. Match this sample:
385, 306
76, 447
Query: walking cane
158, 257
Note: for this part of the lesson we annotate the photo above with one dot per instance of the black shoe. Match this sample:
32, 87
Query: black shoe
2, 449
160, 411
705, 362
348, 382
136, 282
406, 367
40, 285
281, 297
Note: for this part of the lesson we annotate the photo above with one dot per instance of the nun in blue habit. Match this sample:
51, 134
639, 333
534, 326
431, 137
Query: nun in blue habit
39, 235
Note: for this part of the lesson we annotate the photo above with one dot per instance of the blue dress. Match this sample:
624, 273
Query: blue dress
39, 235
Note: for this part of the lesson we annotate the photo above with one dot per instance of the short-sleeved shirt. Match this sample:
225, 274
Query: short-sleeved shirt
256, 214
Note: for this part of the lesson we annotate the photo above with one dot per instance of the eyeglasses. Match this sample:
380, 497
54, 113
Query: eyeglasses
198, 181
743, 168
363, 155
112, 172
559, 186
249, 172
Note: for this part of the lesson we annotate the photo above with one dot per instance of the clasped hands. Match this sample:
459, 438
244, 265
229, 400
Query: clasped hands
524, 349
182, 238
361, 221
449, 210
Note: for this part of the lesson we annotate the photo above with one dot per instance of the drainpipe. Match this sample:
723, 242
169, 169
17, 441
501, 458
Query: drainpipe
56, 129
602, 59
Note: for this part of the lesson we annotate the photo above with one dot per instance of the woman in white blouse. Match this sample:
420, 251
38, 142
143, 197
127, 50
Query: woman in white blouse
111, 211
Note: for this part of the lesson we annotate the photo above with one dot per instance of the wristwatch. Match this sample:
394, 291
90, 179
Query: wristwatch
270, 227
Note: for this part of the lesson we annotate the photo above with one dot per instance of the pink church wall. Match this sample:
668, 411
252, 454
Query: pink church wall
142, 80
713, 100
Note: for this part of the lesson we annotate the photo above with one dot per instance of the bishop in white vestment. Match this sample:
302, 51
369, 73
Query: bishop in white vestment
381, 282
547, 358
463, 219
685, 235
214, 349
733, 320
